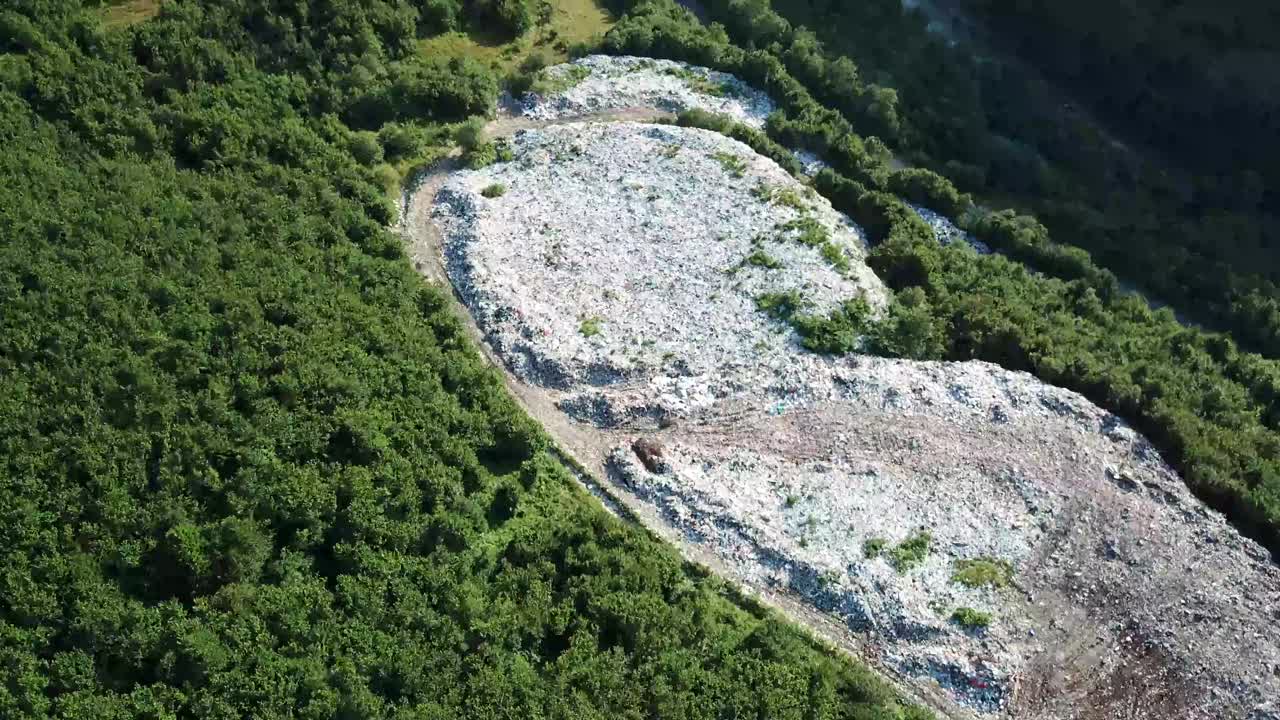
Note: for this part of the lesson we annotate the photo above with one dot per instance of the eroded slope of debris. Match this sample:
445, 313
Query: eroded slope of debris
986, 537
615, 248
604, 82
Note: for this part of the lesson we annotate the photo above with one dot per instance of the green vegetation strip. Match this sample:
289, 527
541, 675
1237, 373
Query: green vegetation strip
590, 327
571, 76
983, 572
874, 547
698, 83
760, 258
487, 153
731, 163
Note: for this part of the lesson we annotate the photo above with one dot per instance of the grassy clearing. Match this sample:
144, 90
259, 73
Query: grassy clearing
982, 572
129, 12
572, 22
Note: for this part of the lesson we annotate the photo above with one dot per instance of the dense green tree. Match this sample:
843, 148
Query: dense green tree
509, 18
910, 328
1208, 407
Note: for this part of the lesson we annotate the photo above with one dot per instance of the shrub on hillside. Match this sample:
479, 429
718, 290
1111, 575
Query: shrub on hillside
365, 148
928, 188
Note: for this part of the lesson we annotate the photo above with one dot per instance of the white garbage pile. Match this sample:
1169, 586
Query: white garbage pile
631, 257
616, 268
619, 83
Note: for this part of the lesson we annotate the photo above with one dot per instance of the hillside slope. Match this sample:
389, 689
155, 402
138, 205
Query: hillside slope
251, 465
638, 342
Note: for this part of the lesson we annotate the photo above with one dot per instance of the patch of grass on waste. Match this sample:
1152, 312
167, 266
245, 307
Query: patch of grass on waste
836, 333
494, 190
760, 258
488, 153
873, 547
910, 552
763, 192
699, 83
968, 618
982, 572
731, 163
792, 500
780, 305
789, 198
565, 78
590, 327
835, 257
811, 233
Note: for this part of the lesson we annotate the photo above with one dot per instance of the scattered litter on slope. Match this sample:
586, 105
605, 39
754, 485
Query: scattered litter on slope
615, 83
810, 163
611, 275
